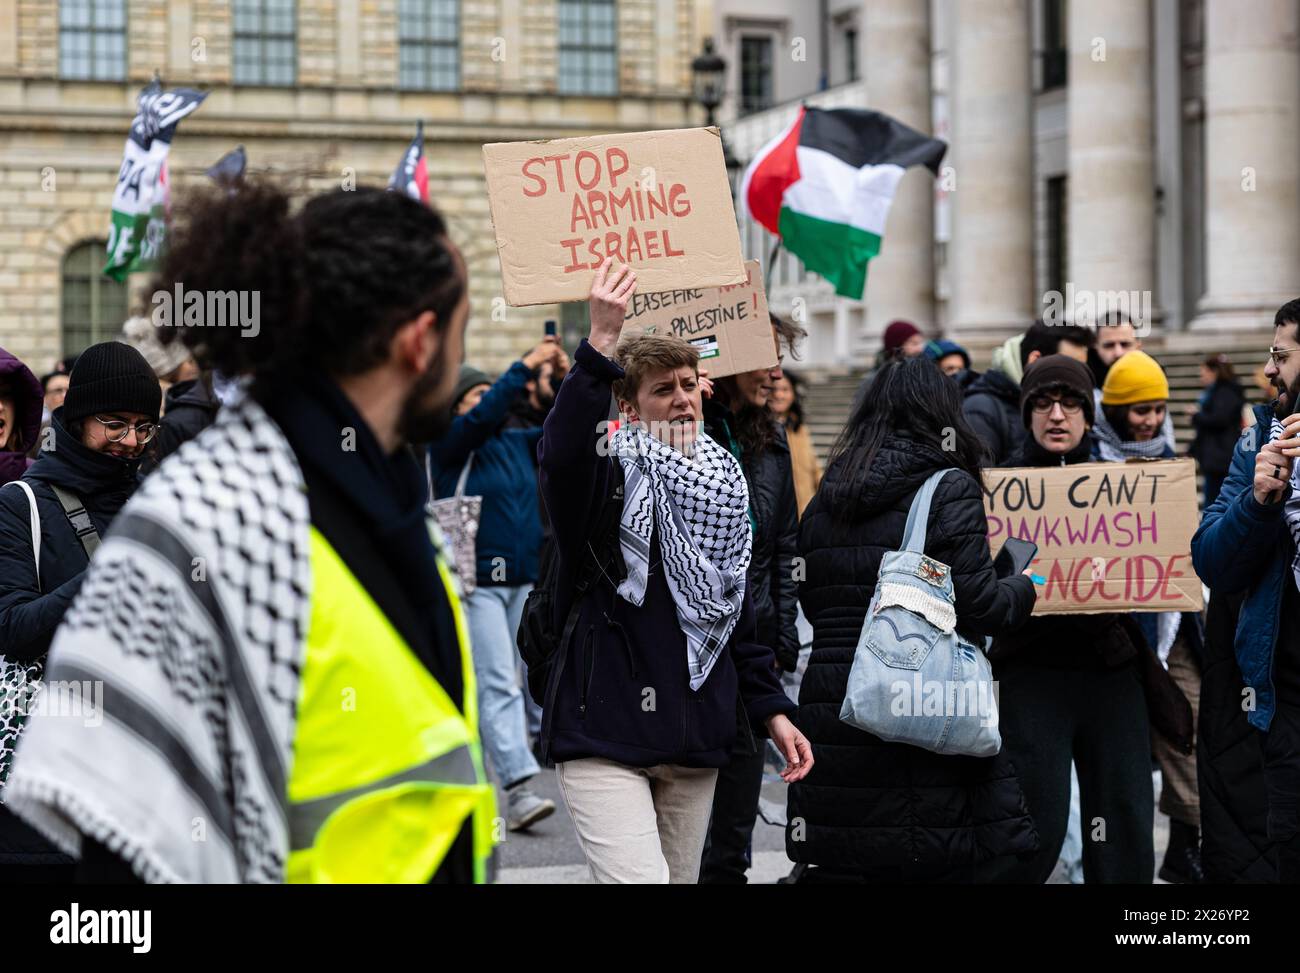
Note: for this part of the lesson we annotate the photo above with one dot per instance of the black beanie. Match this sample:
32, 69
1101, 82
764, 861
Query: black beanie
111, 377
1060, 371
470, 377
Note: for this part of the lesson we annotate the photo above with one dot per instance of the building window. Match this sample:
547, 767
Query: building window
94, 306
588, 48
851, 53
755, 74
428, 34
92, 40
265, 42
1056, 55
1058, 215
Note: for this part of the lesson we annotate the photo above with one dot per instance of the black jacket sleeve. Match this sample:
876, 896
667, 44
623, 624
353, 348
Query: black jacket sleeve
984, 414
28, 618
958, 536
785, 589
760, 686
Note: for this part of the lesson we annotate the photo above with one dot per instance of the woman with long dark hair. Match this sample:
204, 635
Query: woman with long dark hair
871, 810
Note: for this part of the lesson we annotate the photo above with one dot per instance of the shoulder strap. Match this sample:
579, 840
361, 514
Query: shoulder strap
464, 474
75, 511
919, 516
34, 517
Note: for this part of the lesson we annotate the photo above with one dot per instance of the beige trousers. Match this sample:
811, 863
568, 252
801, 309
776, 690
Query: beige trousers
639, 825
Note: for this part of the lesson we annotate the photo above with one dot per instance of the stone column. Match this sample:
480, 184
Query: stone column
1111, 174
1252, 163
992, 246
900, 282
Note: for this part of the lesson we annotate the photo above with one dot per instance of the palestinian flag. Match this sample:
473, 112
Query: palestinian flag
412, 175
140, 200
824, 186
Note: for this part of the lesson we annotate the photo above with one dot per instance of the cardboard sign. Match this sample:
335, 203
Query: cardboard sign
1111, 536
659, 201
729, 326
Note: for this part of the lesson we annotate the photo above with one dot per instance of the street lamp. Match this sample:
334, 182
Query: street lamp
707, 72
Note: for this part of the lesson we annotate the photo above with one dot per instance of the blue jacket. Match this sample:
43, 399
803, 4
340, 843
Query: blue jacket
504, 474
1244, 546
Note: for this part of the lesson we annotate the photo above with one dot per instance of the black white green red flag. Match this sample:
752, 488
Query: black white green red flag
825, 184
140, 200
411, 176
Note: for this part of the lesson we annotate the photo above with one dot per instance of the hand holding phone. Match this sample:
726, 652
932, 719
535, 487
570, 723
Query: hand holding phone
1015, 556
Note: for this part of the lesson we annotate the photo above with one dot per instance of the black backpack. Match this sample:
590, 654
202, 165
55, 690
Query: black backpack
538, 639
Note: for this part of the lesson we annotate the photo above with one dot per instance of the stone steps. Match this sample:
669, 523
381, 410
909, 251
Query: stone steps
829, 392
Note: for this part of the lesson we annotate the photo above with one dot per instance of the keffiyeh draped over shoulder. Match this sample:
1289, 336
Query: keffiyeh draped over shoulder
699, 505
191, 622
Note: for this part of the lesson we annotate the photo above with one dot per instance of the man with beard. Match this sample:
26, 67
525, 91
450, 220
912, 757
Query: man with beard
288, 693
1246, 546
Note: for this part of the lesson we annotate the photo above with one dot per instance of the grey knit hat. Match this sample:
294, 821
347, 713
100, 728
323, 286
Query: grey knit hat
469, 378
142, 335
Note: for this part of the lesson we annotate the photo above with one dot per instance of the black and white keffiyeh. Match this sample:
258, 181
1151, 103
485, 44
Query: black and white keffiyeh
1114, 449
700, 506
1292, 510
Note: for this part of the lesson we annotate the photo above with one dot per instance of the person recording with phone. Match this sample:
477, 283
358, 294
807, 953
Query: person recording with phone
1075, 687
1246, 547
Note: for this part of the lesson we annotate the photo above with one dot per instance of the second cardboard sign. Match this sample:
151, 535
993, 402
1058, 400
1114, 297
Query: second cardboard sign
729, 326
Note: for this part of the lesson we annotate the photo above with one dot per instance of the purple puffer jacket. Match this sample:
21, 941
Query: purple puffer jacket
18, 383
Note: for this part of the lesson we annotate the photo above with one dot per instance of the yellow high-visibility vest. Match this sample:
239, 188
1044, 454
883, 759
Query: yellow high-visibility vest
386, 770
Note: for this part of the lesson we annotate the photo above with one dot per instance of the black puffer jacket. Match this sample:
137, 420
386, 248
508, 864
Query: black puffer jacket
776, 535
992, 408
889, 809
1218, 427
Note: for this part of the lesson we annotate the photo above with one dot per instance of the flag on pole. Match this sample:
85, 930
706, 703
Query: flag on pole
824, 186
229, 169
412, 175
135, 237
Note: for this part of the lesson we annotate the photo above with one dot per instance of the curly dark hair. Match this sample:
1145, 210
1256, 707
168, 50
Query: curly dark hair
335, 280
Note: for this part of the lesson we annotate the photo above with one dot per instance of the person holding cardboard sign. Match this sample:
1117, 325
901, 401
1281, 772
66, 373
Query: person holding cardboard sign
650, 632
1134, 404
1075, 688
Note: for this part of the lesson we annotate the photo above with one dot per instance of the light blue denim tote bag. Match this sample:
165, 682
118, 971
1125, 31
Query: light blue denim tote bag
914, 679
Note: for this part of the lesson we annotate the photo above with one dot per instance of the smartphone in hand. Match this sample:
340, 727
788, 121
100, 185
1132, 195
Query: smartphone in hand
1015, 556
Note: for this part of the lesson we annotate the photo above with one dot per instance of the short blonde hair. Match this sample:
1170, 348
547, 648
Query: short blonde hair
641, 354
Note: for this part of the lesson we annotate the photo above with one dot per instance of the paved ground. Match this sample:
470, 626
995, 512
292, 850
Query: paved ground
550, 853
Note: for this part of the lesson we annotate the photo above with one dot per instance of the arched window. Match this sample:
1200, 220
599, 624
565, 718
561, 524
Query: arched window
94, 306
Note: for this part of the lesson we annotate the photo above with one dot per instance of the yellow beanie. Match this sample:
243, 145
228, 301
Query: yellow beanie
1136, 377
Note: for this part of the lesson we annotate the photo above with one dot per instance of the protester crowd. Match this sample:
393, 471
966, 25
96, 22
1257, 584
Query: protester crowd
335, 587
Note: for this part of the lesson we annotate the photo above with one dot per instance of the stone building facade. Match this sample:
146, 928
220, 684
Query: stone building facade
346, 113
1148, 146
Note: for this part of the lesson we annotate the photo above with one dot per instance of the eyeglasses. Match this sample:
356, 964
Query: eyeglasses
115, 430
1070, 405
1278, 355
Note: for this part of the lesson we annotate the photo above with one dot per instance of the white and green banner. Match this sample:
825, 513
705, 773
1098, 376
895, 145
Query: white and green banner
135, 237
